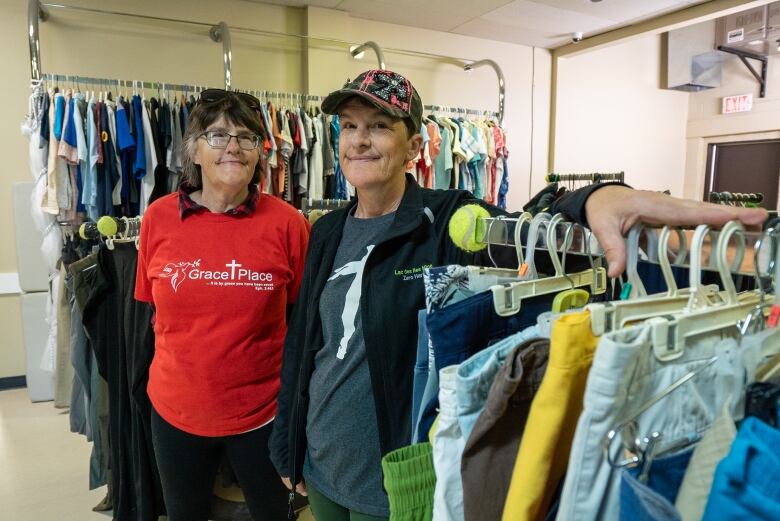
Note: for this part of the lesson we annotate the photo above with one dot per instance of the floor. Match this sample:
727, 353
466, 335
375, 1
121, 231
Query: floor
44, 465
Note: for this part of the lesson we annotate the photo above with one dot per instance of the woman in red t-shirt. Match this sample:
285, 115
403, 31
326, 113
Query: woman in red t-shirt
220, 262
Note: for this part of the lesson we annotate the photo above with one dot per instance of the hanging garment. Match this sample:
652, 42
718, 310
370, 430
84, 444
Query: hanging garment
625, 375
123, 359
316, 163
745, 484
85, 276
654, 499
116, 194
490, 451
410, 480
468, 326
697, 482
148, 181
544, 448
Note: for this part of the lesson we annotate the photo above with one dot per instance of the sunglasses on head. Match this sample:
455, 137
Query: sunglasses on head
215, 95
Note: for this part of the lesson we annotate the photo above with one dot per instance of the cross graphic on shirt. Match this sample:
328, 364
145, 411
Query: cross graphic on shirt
233, 265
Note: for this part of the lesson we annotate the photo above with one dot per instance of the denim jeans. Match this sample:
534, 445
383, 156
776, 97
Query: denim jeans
475, 376
464, 328
422, 371
654, 500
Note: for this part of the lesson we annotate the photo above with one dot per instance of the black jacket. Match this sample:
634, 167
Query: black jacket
392, 295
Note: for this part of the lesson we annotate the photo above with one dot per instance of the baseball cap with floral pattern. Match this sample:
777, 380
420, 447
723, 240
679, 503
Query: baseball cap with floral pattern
386, 90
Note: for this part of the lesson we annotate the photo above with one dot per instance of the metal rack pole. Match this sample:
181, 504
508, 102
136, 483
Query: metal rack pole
221, 33
35, 13
501, 82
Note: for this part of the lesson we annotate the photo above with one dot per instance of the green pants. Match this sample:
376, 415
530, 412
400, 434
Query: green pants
410, 481
324, 509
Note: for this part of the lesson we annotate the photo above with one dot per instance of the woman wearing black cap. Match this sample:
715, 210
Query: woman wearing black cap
347, 373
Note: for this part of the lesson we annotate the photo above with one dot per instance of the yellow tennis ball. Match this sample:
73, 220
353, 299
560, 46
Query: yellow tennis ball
464, 227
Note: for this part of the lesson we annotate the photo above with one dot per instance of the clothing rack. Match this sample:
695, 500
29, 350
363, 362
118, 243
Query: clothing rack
164, 86
595, 177
736, 197
460, 110
220, 32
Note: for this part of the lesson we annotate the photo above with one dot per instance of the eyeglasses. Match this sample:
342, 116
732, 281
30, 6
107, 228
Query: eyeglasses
221, 139
214, 95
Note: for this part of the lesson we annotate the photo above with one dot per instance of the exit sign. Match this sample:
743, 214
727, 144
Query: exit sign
740, 103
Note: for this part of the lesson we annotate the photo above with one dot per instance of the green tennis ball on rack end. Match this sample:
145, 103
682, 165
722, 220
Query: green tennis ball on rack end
107, 226
463, 227
83, 231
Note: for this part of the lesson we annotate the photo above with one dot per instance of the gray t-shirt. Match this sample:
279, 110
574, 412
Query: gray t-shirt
343, 458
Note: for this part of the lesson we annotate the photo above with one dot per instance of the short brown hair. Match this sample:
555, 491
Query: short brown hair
203, 114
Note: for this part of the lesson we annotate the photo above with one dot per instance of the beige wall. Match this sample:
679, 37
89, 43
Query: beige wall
443, 82
707, 125
612, 115
126, 48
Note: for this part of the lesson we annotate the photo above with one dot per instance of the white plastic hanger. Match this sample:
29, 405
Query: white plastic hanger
507, 298
524, 218
504, 274
632, 260
670, 335
531, 241
606, 317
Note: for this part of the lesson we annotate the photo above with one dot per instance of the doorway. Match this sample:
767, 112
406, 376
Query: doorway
746, 167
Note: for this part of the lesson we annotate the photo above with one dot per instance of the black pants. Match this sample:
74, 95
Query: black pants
188, 466
120, 332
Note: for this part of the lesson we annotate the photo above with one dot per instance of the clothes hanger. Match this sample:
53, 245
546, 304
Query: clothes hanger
769, 345
507, 298
532, 239
572, 298
670, 334
610, 316
503, 275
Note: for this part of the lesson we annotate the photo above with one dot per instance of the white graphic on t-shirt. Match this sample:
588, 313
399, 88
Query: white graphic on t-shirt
351, 300
236, 275
177, 271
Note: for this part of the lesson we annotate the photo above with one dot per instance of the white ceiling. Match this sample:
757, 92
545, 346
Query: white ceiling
539, 23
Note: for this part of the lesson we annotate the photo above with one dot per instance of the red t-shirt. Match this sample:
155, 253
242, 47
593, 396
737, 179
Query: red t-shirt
220, 285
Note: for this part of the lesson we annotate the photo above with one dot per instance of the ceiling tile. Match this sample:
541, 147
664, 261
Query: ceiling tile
441, 15
620, 10
481, 28
527, 15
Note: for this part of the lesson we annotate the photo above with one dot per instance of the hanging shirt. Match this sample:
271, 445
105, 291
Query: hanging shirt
442, 174
59, 115
139, 165
315, 162
328, 155
116, 195
148, 182
342, 191
89, 176
69, 143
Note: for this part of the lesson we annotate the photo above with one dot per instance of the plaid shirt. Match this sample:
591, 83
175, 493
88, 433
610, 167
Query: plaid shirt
189, 207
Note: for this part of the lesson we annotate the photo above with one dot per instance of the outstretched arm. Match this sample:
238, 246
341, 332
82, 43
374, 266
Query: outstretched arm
612, 210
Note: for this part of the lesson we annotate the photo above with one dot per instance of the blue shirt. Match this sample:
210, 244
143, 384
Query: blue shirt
59, 115
139, 165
